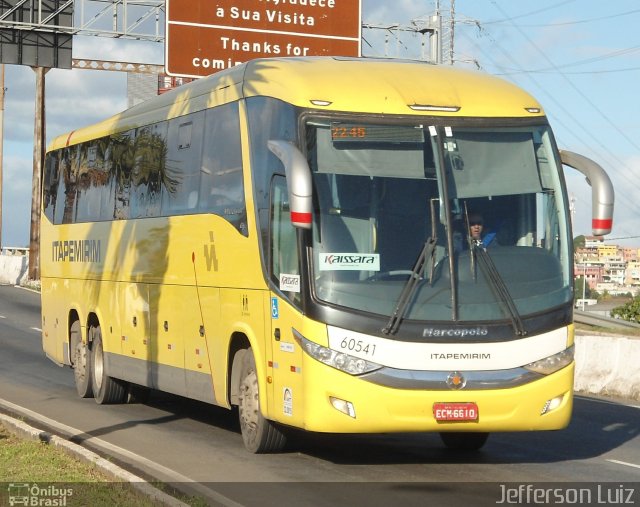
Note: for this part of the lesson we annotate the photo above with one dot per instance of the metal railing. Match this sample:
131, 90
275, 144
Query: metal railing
13, 250
592, 319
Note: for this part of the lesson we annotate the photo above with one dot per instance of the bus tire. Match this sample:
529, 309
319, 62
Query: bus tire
137, 394
259, 434
471, 441
106, 389
81, 362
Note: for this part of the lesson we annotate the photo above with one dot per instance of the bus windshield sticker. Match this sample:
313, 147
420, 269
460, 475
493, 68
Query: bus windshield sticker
289, 283
349, 262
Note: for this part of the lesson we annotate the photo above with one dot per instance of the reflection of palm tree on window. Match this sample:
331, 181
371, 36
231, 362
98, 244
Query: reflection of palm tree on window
150, 168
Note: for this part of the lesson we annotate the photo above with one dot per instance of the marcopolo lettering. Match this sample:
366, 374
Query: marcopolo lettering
459, 332
82, 250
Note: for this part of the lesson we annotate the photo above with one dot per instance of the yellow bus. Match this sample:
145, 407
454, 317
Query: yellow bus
291, 237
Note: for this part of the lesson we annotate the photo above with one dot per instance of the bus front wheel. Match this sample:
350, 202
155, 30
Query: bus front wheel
259, 434
105, 388
81, 362
464, 441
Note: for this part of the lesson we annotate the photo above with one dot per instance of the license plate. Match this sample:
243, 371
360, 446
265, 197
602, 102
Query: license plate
467, 411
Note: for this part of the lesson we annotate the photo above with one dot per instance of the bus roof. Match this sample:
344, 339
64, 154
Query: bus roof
342, 84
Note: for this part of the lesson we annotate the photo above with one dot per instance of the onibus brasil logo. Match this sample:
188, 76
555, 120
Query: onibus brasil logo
24, 493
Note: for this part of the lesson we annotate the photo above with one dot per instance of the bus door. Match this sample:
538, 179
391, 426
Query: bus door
285, 396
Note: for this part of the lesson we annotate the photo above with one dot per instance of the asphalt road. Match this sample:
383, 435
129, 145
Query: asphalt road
200, 447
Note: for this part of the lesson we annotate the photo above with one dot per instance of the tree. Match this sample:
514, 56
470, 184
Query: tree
578, 242
579, 288
629, 311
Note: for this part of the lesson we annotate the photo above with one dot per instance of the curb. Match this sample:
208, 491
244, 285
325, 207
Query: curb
24, 430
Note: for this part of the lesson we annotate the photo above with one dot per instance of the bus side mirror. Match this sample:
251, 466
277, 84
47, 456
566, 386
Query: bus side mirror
602, 195
298, 181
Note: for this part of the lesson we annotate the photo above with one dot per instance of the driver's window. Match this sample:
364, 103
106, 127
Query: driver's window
285, 266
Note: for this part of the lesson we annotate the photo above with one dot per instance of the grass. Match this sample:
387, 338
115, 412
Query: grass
622, 331
64, 477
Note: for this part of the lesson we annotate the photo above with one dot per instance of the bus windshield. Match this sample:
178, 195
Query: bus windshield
386, 195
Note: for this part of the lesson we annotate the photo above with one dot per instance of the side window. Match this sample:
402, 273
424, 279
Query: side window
89, 183
50, 183
105, 169
285, 267
267, 119
221, 189
121, 156
66, 198
181, 182
149, 157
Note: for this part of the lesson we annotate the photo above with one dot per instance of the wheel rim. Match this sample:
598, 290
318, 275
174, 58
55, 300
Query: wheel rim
81, 361
249, 405
98, 366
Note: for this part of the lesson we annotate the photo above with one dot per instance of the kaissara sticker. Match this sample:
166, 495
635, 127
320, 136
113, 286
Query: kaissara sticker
289, 283
349, 261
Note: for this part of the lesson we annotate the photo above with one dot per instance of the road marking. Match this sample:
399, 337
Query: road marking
2, 317
623, 463
36, 329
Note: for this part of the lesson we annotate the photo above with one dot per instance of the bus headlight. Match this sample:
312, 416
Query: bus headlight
553, 363
338, 360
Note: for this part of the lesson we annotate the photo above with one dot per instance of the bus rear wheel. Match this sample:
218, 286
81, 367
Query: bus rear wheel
464, 441
259, 434
105, 388
81, 362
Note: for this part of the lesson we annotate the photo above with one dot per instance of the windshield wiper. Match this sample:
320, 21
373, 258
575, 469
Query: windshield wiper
427, 253
499, 287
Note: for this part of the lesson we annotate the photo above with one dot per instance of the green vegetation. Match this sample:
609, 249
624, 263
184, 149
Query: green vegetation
630, 311
588, 292
61, 476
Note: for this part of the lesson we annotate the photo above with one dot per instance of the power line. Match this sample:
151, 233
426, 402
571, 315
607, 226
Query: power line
622, 199
572, 73
585, 98
613, 54
623, 237
538, 11
568, 23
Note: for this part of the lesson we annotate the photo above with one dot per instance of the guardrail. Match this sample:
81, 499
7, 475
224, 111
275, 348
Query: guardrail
592, 319
14, 250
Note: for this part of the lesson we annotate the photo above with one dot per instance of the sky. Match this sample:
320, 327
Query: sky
579, 58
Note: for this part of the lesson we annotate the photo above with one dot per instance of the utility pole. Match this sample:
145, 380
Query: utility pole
36, 186
452, 27
1, 141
